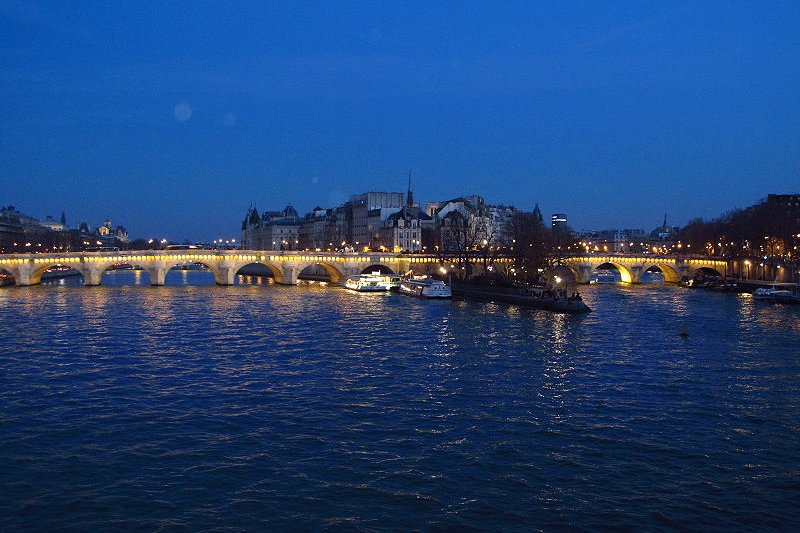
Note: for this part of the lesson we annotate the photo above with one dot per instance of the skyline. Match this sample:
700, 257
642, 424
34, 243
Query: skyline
73, 223
172, 119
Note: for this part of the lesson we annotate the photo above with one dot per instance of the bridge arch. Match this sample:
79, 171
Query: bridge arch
276, 272
335, 273
7, 278
706, 270
561, 277
378, 267
36, 275
624, 272
141, 275
670, 274
110, 266
172, 265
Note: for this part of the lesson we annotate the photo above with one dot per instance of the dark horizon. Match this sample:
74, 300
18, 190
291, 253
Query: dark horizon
234, 233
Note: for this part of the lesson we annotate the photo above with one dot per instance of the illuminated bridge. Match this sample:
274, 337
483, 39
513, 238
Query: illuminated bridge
632, 267
286, 267
27, 269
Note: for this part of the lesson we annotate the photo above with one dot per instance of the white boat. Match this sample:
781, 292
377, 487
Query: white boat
368, 283
606, 277
774, 295
425, 287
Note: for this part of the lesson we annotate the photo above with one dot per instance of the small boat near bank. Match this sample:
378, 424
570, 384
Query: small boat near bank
425, 287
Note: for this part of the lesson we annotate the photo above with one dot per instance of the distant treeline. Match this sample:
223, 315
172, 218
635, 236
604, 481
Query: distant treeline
769, 228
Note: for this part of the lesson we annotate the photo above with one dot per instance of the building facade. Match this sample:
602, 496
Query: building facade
273, 230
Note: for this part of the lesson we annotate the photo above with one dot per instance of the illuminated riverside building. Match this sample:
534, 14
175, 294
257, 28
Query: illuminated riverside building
380, 221
274, 230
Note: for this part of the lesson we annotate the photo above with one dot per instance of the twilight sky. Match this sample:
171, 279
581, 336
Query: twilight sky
172, 117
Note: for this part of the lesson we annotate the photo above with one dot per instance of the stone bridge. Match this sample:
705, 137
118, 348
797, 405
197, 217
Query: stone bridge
631, 267
27, 269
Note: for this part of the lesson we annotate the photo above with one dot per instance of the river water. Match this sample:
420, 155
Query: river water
261, 407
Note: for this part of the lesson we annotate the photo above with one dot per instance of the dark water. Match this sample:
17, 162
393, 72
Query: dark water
196, 408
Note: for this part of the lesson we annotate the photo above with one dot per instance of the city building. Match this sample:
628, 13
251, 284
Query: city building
401, 231
615, 240
20, 233
360, 207
312, 232
273, 230
558, 220
382, 221
664, 233
468, 222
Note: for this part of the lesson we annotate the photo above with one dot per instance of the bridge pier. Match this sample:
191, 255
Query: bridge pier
92, 277
584, 274
683, 269
289, 274
157, 275
226, 275
23, 277
636, 272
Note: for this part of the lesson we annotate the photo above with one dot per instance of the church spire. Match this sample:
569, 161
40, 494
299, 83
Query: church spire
537, 213
409, 195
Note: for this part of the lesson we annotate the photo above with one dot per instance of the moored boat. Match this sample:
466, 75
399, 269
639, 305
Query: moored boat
556, 301
425, 287
368, 283
775, 295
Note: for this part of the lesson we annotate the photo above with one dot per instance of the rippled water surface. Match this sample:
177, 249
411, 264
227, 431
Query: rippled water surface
263, 407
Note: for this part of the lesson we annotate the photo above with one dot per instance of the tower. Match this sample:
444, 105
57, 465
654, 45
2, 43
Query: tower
409, 194
537, 213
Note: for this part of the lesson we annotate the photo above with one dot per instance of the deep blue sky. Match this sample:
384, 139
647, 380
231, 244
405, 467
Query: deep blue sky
171, 117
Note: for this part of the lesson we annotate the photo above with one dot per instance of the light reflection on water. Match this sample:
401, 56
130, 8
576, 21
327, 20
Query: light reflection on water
203, 407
